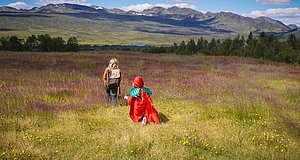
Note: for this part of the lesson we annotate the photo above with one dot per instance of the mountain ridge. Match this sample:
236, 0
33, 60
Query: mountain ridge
157, 21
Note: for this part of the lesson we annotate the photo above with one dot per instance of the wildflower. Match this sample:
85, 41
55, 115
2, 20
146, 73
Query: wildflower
3, 154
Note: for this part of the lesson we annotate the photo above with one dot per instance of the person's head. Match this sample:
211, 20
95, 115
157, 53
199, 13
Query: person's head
113, 63
138, 82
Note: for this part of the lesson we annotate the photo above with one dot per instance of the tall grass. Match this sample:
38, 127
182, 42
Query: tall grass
52, 107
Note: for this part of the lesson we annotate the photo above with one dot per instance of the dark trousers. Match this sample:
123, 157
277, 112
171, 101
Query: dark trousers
111, 94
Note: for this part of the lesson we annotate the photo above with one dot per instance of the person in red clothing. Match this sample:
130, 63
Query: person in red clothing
141, 106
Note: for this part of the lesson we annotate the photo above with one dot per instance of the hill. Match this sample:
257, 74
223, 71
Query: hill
211, 107
98, 25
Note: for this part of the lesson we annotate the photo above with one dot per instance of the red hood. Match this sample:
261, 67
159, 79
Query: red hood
138, 82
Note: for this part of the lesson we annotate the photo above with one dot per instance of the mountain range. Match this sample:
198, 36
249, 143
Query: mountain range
158, 25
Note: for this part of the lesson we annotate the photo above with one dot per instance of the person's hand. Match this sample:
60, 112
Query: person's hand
125, 97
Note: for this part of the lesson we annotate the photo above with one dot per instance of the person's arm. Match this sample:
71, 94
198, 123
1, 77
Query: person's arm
105, 75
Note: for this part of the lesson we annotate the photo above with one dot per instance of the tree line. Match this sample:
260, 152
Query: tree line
40, 43
264, 47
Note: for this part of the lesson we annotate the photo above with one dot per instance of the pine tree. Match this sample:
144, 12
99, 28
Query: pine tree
191, 47
292, 41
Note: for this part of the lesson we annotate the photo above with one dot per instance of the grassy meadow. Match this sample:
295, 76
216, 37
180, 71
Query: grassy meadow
52, 107
87, 31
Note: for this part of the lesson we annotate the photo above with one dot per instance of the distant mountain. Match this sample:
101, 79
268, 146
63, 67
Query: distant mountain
266, 21
173, 13
65, 8
95, 24
293, 26
116, 11
8, 9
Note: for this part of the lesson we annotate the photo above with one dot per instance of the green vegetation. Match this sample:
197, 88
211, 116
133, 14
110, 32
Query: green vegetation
263, 47
88, 31
212, 107
42, 43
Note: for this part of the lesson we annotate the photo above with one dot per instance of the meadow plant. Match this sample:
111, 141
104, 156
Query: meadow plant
52, 106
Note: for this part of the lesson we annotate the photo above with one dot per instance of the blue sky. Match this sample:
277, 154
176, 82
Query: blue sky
287, 11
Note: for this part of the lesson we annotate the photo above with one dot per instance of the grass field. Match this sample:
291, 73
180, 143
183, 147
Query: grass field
98, 31
52, 107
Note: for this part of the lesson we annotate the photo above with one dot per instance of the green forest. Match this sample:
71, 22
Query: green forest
264, 47
41, 43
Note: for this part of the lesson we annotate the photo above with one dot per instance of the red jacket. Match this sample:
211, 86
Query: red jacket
142, 105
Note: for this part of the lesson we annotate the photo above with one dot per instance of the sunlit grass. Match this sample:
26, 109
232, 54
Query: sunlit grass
52, 107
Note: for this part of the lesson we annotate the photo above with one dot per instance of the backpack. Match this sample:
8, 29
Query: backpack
114, 77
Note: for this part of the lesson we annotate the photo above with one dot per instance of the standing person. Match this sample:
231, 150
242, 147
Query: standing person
112, 80
141, 106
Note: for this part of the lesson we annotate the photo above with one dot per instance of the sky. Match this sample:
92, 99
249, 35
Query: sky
287, 11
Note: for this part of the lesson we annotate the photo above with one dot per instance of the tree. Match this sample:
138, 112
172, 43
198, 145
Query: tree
212, 45
250, 40
200, 44
4, 43
181, 49
191, 47
58, 44
225, 47
15, 44
72, 44
262, 38
31, 43
292, 41
45, 43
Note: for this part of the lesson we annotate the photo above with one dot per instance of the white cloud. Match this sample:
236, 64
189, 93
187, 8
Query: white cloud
182, 1
45, 2
286, 15
275, 2
137, 7
141, 7
19, 5
184, 5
